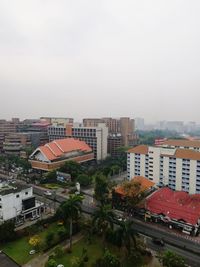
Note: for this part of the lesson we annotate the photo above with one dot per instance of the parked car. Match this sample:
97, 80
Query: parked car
47, 193
158, 241
60, 265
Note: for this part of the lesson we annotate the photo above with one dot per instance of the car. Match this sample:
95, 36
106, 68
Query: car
60, 265
47, 193
32, 252
158, 241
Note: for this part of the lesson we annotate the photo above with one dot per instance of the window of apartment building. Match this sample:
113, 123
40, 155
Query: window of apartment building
0, 206
26, 193
17, 196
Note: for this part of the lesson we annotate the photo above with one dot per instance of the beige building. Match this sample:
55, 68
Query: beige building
176, 163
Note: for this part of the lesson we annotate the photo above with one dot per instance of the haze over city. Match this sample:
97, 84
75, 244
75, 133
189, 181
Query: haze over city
100, 58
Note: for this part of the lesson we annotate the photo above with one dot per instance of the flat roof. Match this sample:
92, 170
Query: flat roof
12, 188
6, 261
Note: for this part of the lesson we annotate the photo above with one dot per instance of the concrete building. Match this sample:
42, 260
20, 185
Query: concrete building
95, 137
114, 143
58, 120
17, 202
54, 154
16, 142
7, 127
176, 163
124, 127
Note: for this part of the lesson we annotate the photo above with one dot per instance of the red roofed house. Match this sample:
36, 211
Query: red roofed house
54, 154
178, 208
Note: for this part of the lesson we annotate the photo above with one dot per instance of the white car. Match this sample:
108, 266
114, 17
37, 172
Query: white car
47, 193
60, 265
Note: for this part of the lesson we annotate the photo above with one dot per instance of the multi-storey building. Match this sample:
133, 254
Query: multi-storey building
16, 142
17, 202
123, 127
7, 127
95, 137
58, 120
176, 163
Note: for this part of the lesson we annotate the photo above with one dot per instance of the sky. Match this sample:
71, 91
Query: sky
91, 58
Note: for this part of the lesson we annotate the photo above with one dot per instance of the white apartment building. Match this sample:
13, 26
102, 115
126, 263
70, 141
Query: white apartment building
17, 202
95, 137
176, 163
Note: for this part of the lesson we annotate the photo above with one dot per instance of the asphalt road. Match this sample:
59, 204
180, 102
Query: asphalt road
190, 258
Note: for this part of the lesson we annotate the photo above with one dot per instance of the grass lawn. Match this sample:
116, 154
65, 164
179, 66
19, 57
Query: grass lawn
94, 251
51, 186
19, 249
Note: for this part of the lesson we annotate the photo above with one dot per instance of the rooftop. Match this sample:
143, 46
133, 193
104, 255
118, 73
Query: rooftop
182, 143
10, 188
59, 148
175, 205
141, 149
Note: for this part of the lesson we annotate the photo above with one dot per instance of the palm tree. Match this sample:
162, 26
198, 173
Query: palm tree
126, 236
104, 218
69, 211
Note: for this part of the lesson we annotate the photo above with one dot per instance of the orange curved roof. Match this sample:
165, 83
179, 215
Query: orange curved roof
59, 148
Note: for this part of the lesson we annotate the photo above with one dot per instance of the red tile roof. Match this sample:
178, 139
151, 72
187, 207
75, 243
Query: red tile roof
141, 149
59, 148
182, 143
175, 205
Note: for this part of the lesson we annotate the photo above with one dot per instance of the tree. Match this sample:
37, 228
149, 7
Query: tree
51, 263
72, 168
49, 238
70, 210
125, 236
101, 188
171, 259
108, 260
104, 218
84, 179
35, 241
7, 231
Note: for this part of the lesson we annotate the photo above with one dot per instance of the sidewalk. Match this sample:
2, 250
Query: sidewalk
41, 259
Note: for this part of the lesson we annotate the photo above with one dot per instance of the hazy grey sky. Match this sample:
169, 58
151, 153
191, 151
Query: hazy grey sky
89, 58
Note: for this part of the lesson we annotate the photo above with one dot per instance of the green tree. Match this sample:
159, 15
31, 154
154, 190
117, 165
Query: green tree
7, 231
70, 210
49, 238
72, 168
101, 188
84, 179
108, 260
103, 218
51, 263
171, 259
125, 236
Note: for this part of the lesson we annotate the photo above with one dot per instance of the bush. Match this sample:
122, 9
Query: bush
58, 252
51, 263
84, 179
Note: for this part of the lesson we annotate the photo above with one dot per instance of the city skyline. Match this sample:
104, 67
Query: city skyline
100, 59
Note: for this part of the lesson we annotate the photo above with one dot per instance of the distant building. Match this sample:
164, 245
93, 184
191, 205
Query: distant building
16, 142
114, 144
176, 163
124, 127
17, 202
7, 127
54, 154
58, 120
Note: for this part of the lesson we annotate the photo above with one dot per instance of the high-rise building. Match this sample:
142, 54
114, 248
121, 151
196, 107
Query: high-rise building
123, 127
175, 163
